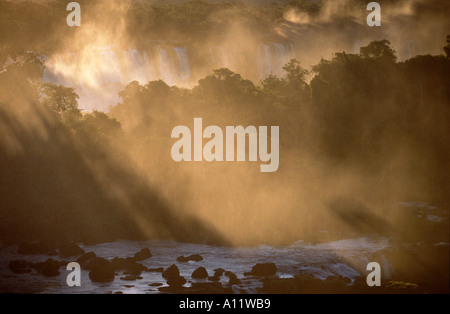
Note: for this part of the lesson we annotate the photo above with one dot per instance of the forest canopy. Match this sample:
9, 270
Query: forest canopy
359, 112
365, 121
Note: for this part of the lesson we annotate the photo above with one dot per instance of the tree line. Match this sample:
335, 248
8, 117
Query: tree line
354, 111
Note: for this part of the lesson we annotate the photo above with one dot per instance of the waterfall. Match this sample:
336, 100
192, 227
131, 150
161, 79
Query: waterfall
273, 57
166, 66
98, 74
108, 66
136, 66
184, 71
219, 58
264, 61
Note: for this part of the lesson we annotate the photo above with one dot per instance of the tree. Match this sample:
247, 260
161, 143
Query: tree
59, 98
379, 50
98, 126
130, 91
225, 85
295, 75
447, 48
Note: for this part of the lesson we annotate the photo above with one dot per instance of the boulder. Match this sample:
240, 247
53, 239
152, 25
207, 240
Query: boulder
194, 258
219, 272
264, 269
155, 284
101, 270
200, 273
176, 281
70, 249
50, 268
20, 266
155, 270
120, 263
84, 259
233, 280
171, 272
128, 264
143, 254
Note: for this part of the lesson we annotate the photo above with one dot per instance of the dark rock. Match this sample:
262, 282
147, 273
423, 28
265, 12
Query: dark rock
129, 277
128, 264
120, 263
308, 284
118, 292
219, 272
101, 270
176, 281
194, 258
94, 262
143, 254
265, 269
50, 268
173, 289
37, 266
155, 270
128, 286
84, 259
200, 273
171, 272
20, 266
233, 280
70, 249
229, 273
155, 284
136, 269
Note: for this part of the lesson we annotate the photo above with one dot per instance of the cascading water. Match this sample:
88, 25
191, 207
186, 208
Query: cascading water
137, 66
219, 58
98, 74
273, 57
184, 70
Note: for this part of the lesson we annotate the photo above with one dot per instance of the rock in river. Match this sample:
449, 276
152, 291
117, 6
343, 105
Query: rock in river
101, 270
200, 273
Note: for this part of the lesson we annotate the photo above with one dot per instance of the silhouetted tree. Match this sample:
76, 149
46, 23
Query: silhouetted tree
379, 50
447, 48
59, 98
